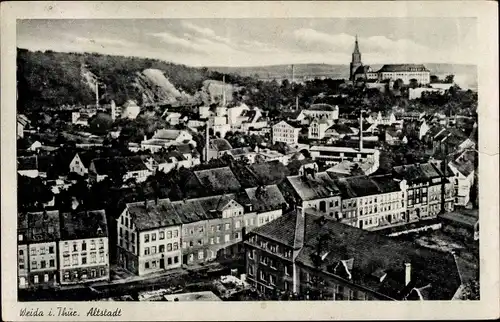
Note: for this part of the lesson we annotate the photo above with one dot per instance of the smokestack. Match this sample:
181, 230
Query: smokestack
293, 74
407, 273
360, 131
96, 94
296, 103
207, 142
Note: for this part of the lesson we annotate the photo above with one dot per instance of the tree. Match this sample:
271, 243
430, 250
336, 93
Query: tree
434, 79
413, 83
449, 79
398, 84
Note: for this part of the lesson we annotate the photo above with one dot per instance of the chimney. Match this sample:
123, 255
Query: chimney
298, 243
407, 273
296, 103
207, 142
224, 90
360, 131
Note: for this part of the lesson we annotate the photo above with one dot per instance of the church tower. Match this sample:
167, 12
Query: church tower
356, 59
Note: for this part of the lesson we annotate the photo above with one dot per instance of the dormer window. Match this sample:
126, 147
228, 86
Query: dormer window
20, 237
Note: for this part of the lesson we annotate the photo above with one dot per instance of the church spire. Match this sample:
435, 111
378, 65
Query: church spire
356, 47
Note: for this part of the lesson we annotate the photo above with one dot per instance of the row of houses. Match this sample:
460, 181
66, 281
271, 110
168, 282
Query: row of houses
162, 234
62, 247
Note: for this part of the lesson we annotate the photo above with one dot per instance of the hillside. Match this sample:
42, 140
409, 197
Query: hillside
54, 79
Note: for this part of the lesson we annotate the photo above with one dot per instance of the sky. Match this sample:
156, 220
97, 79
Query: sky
260, 41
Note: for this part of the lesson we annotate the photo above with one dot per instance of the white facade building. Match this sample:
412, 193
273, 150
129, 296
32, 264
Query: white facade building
284, 132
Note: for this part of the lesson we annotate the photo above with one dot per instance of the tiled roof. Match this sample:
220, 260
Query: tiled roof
265, 198
341, 129
358, 186
27, 163
465, 167
282, 229
84, 224
402, 68
308, 188
192, 210
108, 165
371, 253
220, 144
40, 226
268, 173
417, 172
153, 215
184, 149
218, 180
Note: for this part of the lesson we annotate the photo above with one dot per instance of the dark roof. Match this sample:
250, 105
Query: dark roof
42, 226
218, 180
108, 165
465, 167
167, 134
308, 188
152, 215
192, 210
268, 173
84, 224
372, 252
341, 128
239, 151
282, 229
184, 149
265, 198
358, 186
220, 144
290, 114
463, 219
322, 107
403, 68
417, 172
27, 163
295, 165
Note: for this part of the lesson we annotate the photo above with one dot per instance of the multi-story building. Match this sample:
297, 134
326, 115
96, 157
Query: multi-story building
130, 167
336, 154
318, 258
267, 202
425, 195
463, 169
284, 132
149, 237
38, 233
83, 247
80, 163
317, 128
318, 191
372, 202
320, 111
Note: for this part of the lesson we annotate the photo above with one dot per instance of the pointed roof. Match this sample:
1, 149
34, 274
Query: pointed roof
356, 46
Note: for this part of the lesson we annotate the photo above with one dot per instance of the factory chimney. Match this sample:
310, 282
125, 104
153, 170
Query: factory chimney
97, 94
207, 142
293, 74
360, 130
223, 90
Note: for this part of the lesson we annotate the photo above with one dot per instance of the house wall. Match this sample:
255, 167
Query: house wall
42, 264
283, 132
77, 166
159, 249
84, 260
266, 217
330, 206
22, 265
421, 76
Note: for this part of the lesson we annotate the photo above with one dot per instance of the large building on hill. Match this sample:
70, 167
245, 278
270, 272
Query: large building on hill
393, 72
318, 258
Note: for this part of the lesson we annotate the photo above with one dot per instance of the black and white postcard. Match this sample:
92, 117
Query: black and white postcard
253, 160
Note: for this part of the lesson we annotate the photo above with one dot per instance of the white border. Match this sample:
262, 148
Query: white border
486, 12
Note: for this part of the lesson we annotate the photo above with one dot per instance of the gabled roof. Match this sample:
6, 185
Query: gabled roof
465, 167
167, 134
83, 224
218, 180
417, 172
42, 226
281, 230
341, 129
370, 252
357, 186
86, 157
265, 198
220, 144
308, 188
152, 215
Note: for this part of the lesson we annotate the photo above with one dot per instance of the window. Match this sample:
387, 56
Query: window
236, 235
250, 270
84, 247
153, 236
42, 264
228, 226
200, 229
211, 240
20, 237
217, 239
75, 259
237, 225
132, 237
146, 250
191, 258
101, 258
153, 250
169, 247
191, 243
126, 222
75, 247
42, 250
176, 246
272, 279
121, 220
200, 254
176, 259
35, 279
146, 265
161, 248
161, 235
146, 238
219, 227
200, 241
92, 245
226, 238
288, 270
191, 231
176, 233
66, 261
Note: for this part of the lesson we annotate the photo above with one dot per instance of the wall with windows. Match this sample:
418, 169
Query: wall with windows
22, 265
283, 132
266, 217
159, 249
268, 265
84, 260
42, 263
330, 206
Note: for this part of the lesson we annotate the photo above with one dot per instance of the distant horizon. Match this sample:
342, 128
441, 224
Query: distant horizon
251, 42
246, 66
